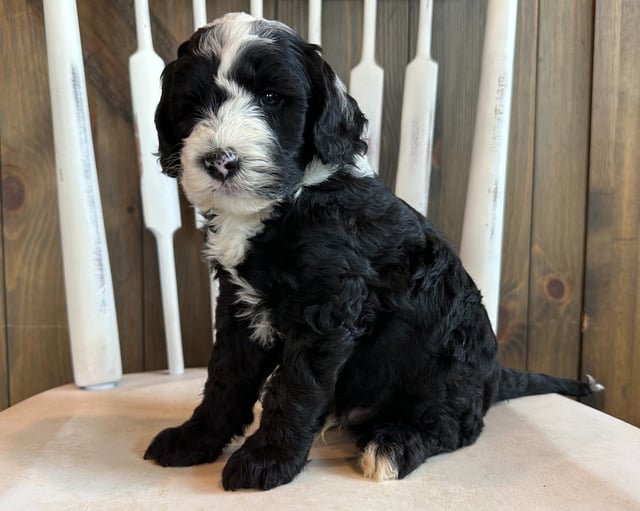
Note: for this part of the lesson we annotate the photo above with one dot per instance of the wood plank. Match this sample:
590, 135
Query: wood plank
392, 53
344, 18
4, 366
173, 26
514, 287
458, 52
295, 14
106, 51
4, 363
612, 283
155, 354
217, 8
458, 29
560, 183
37, 333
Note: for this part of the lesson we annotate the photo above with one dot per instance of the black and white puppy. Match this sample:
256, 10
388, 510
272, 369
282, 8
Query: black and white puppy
350, 300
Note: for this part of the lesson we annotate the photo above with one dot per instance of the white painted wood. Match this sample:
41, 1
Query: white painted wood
199, 13
418, 114
160, 203
315, 22
366, 84
256, 8
199, 20
481, 245
93, 327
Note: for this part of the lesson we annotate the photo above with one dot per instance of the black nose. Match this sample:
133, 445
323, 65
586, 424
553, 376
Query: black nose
221, 163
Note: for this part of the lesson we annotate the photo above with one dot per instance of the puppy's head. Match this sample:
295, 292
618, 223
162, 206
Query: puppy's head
245, 107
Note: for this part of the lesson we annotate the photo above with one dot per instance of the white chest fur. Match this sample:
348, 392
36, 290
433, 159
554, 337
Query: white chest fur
228, 240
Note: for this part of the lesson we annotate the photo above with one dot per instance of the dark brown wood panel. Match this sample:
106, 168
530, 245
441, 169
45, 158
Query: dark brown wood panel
295, 14
561, 156
119, 178
217, 8
343, 52
37, 334
106, 51
612, 297
392, 53
4, 366
457, 48
514, 286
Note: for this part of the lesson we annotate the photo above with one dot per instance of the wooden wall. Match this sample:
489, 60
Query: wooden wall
570, 301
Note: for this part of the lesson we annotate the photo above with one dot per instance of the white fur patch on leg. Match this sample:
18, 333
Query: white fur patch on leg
594, 386
377, 465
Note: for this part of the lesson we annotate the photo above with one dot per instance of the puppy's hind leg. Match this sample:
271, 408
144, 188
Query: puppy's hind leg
393, 450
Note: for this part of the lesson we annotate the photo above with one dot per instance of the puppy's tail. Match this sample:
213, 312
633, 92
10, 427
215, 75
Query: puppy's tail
521, 383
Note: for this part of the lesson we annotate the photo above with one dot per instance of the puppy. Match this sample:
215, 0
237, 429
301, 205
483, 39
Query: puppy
336, 298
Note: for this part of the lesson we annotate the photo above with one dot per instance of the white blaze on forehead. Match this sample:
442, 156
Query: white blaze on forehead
224, 37
229, 34
233, 26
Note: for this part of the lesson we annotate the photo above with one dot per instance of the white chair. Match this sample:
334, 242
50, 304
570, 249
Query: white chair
75, 449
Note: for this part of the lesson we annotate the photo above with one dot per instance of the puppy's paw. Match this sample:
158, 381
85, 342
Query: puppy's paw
391, 451
183, 446
261, 468
378, 463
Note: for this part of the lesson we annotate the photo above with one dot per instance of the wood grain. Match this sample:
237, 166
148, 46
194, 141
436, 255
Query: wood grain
394, 39
561, 155
612, 288
514, 288
457, 48
295, 14
4, 366
36, 333
175, 26
167, 36
106, 50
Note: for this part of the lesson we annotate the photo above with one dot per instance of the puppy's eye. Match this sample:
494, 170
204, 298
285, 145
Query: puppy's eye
270, 99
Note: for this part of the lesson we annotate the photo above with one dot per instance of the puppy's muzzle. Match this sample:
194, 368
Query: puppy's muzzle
221, 164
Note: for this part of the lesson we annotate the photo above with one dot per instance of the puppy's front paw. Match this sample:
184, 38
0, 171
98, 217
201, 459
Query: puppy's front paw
183, 446
261, 468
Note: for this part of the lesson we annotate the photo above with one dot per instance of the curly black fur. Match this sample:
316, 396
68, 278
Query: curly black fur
375, 320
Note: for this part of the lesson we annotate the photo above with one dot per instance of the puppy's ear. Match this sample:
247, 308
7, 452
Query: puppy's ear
169, 143
183, 83
338, 123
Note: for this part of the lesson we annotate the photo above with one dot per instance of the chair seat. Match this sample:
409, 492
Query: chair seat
73, 449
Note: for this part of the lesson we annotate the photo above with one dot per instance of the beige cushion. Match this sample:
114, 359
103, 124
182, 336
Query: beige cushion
73, 449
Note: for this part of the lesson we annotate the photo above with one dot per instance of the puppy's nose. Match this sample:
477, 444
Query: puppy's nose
221, 163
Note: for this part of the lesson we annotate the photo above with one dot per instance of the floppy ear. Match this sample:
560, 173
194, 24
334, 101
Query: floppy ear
338, 123
171, 118
169, 142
